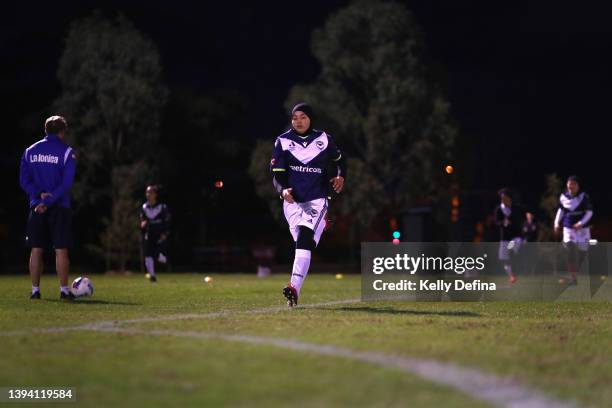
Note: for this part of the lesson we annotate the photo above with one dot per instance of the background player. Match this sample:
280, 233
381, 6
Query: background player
300, 163
510, 220
574, 215
155, 228
530, 228
46, 174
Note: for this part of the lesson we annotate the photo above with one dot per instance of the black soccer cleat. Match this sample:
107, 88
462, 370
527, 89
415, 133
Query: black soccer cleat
67, 296
151, 278
291, 295
35, 295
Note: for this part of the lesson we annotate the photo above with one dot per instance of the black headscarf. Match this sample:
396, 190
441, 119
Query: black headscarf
307, 109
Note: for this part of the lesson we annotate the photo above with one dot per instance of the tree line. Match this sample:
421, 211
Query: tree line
374, 94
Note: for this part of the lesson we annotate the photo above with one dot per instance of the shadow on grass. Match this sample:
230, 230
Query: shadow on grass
390, 310
92, 302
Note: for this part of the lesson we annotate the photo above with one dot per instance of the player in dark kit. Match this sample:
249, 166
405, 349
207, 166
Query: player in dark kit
300, 166
574, 216
155, 228
530, 228
509, 218
46, 174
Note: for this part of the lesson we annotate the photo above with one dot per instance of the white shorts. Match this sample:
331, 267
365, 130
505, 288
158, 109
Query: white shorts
310, 214
505, 247
580, 237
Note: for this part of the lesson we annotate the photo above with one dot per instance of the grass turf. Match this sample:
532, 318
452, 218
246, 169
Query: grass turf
562, 348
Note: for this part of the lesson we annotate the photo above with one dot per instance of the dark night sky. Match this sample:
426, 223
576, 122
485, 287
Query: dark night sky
528, 84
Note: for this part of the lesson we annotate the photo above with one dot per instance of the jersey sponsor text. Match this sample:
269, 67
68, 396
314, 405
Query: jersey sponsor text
305, 169
44, 158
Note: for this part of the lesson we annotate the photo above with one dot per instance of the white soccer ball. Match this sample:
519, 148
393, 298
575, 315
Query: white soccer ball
82, 286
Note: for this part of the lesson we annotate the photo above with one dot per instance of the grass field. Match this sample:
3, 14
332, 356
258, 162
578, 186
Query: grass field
223, 350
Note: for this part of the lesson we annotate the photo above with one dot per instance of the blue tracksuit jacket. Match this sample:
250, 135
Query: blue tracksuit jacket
48, 166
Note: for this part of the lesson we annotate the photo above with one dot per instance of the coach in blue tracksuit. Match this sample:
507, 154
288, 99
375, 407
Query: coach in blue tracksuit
46, 175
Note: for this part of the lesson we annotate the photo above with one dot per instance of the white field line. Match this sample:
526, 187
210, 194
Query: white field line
488, 387
185, 316
482, 386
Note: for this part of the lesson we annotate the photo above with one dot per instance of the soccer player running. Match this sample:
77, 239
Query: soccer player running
574, 215
300, 166
509, 219
155, 228
46, 174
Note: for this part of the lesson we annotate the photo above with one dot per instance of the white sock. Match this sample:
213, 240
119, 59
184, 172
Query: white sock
150, 265
35, 289
301, 263
64, 289
508, 269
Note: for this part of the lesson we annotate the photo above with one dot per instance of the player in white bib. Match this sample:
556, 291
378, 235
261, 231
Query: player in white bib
300, 165
574, 216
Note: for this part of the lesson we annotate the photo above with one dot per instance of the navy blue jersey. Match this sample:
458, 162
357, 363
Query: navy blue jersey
302, 163
574, 209
515, 217
530, 231
48, 166
158, 219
